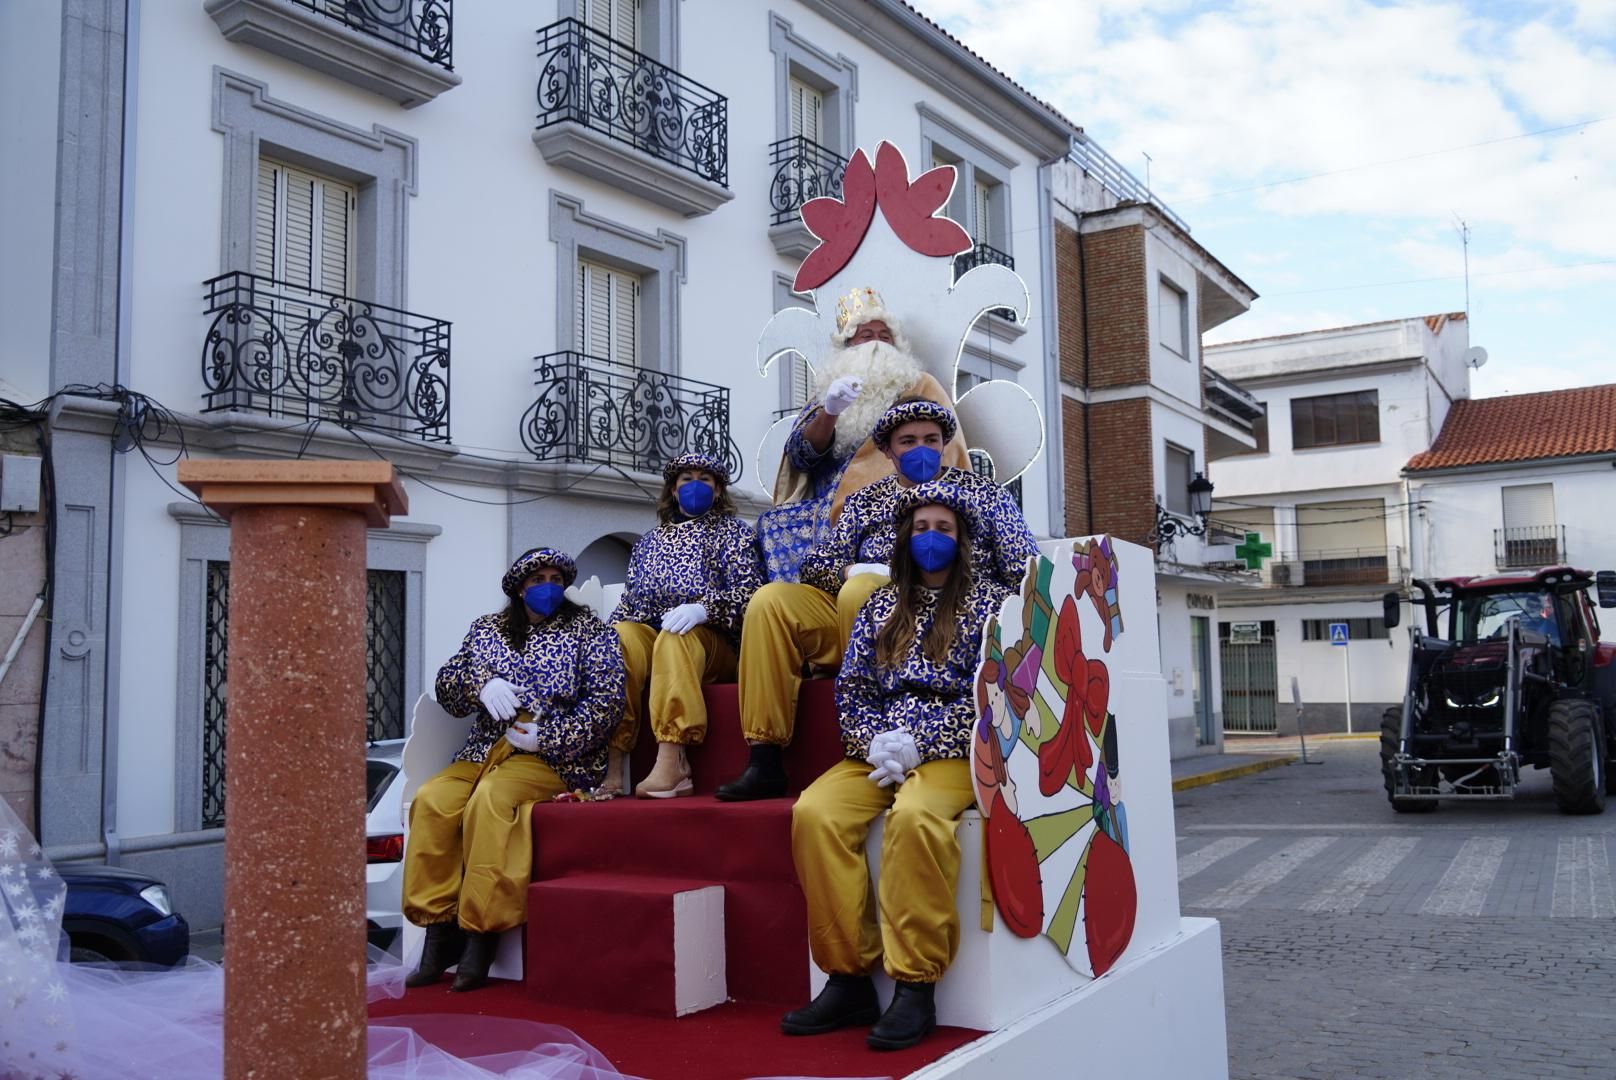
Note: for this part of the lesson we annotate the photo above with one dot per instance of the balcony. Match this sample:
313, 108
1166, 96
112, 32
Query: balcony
982, 465
1337, 568
614, 114
592, 411
800, 170
300, 353
1529, 547
981, 255
400, 49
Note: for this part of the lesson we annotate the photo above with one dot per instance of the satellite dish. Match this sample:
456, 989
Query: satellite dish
1475, 356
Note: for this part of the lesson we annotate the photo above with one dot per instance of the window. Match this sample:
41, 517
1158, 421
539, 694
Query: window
1530, 536
617, 19
608, 313
1173, 317
384, 668
980, 201
1335, 419
303, 228
1357, 629
807, 108
1180, 466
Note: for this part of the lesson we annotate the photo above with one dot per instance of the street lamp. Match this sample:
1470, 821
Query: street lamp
1169, 526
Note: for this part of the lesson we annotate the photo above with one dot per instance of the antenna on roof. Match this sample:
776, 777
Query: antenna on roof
1464, 242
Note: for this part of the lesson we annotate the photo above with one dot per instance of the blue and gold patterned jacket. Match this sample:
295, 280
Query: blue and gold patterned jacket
931, 701
711, 560
569, 675
866, 529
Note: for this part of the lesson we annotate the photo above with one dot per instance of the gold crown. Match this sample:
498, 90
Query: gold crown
855, 308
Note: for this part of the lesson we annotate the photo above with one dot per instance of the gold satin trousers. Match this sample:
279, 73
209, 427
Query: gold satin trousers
677, 666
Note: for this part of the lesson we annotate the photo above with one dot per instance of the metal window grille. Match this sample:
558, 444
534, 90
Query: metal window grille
384, 672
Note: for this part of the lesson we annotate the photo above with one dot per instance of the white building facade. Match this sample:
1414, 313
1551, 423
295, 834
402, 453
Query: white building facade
1338, 526
525, 269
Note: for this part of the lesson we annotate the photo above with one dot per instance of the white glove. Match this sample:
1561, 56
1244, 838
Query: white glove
499, 698
887, 773
684, 618
524, 735
894, 755
869, 568
842, 393
905, 752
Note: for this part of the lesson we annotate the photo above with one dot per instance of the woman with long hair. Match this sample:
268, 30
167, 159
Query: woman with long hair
905, 705
544, 680
679, 620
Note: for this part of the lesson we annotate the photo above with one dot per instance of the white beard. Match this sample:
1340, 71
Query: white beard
888, 374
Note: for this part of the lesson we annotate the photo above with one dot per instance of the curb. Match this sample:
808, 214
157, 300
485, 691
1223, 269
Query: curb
1185, 783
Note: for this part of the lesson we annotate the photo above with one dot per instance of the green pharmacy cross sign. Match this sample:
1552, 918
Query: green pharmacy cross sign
1254, 551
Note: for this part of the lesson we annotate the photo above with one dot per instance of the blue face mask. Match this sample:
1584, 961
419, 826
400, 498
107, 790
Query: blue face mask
933, 551
695, 497
544, 598
920, 464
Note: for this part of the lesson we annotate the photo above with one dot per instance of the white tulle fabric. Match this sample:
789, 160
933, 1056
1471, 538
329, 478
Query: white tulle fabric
61, 1021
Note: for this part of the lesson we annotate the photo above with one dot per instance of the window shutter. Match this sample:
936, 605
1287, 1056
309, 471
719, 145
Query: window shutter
984, 220
801, 376
807, 105
297, 230
1180, 464
303, 228
625, 318
1528, 505
608, 313
626, 23
266, 212
336, 216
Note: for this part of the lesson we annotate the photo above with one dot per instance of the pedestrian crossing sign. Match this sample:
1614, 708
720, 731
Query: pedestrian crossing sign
1338, 633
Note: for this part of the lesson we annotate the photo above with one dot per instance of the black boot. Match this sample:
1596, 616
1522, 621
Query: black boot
475, 960
764, 778
911, 1017
846, 1000
444, 941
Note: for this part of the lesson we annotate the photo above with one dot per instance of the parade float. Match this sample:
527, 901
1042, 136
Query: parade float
671, 935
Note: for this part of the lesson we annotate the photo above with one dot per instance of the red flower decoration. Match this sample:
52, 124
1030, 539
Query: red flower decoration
1088, 695
909, 207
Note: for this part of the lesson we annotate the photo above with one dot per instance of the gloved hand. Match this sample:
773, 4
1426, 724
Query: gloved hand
880, 748
868, 568
887, 773
841, 393
905, 752
499, 698
524, 735
684, 618
894, 754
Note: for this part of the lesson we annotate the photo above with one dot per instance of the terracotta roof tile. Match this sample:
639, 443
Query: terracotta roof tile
1056, 113
1524, 427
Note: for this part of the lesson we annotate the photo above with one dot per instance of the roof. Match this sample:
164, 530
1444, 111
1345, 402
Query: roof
1524, 427
1434, 322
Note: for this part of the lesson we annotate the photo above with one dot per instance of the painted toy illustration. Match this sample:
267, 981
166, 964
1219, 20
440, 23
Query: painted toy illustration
1045, 759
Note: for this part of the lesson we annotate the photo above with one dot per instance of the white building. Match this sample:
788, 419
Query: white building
1345, 411
563, 249
1516, 483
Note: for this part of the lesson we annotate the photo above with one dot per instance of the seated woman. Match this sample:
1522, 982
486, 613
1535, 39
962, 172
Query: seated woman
545, 680
689, 580
904, 698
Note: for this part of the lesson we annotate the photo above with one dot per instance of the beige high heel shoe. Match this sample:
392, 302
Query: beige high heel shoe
669, 777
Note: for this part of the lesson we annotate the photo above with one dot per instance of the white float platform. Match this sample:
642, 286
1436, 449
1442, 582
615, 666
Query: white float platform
1155, 1016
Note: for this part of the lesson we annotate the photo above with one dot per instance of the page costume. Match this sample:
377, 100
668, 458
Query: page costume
470, 843
711, 560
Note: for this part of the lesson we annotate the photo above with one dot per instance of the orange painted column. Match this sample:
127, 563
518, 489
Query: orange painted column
294, 960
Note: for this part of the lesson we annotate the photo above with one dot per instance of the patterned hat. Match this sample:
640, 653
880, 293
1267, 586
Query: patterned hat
905, 412
537, 559
947, 493
695, 461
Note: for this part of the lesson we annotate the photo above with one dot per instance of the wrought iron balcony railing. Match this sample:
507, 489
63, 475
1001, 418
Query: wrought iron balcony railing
982, 465
423, 27
1338, 567
282, 349
1529, 546
588, 78
978, 256
802, 170
596, 411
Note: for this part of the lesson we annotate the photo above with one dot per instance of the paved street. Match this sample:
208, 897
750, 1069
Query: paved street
1478, 941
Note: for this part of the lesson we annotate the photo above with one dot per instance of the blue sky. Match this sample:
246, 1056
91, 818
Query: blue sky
1405, 119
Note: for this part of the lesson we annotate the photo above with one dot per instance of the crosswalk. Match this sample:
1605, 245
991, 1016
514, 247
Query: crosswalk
1442, 873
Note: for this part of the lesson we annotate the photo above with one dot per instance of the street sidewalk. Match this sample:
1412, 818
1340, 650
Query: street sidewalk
1246, 754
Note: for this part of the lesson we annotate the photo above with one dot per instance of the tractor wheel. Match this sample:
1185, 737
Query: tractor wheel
1391, 728
1577, 757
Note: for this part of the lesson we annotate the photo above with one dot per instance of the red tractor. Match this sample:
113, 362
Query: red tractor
1508, 671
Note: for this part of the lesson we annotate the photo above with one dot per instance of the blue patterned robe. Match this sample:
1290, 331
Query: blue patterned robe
711, 560
569, 675
790, 531
932, 702
867, 527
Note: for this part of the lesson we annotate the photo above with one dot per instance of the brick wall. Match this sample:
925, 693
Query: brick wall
1069, 305
1120, 445
1074, 418
1119, 331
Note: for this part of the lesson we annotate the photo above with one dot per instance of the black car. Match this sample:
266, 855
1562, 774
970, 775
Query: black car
113, 914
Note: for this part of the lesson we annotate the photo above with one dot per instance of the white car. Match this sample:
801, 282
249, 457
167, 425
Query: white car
384, 844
